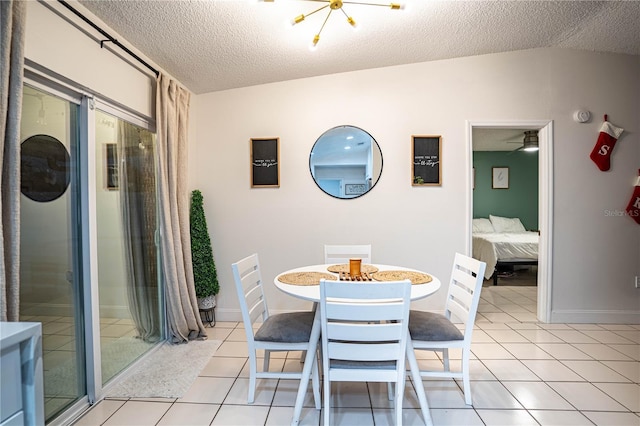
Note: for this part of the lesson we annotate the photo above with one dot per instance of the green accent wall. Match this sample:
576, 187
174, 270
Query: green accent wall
520, 200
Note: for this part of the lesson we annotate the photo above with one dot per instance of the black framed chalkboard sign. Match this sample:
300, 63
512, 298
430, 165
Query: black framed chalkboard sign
426, 160
265, 165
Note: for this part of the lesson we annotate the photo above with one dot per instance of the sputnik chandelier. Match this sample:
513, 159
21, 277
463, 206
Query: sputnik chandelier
334, 5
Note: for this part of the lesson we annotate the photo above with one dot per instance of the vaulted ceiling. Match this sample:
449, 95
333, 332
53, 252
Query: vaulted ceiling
215, 45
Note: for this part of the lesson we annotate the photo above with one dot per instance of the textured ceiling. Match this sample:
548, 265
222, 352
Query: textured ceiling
216, 44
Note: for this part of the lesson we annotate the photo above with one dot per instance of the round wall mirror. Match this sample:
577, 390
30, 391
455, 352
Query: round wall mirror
345, 162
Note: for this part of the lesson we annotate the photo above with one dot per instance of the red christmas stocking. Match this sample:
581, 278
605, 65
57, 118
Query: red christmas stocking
633, 209
601, 154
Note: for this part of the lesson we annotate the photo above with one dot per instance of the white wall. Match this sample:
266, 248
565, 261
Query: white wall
595, 256
54, 43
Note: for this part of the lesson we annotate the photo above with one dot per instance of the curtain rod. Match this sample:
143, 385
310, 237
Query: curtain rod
109, 38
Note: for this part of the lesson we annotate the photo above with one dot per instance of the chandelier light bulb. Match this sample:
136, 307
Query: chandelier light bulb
313, 46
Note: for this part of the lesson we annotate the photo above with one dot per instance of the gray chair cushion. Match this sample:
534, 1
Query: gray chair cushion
291, 327
374, 365
432, 327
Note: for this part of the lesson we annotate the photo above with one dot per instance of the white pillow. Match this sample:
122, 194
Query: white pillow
482, 226
506, 224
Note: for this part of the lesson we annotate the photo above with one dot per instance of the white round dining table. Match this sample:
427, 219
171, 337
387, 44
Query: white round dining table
312, 293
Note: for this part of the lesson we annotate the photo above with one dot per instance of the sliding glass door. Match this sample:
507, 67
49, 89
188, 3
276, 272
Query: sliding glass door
51, 289
89, 259
127, 254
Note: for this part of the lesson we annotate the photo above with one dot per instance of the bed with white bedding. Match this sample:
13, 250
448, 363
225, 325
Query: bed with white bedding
503, 241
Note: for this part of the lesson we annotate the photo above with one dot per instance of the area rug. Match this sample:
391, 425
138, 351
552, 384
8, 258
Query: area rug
168, 372
117, 354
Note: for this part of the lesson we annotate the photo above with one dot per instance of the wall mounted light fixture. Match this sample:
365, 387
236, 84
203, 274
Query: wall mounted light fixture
334, 5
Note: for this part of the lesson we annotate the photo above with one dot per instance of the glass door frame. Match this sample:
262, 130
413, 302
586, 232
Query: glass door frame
84, 218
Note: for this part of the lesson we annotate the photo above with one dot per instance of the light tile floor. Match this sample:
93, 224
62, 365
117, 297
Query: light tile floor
60, 358
523, 373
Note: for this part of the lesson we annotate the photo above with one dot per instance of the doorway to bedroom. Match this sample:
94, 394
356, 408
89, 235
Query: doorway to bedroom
509, 208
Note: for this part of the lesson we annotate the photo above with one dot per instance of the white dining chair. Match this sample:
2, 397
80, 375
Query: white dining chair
364, 336
280, 332
437, 332
337, 254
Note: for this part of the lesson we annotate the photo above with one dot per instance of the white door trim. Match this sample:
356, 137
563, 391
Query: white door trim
545, 200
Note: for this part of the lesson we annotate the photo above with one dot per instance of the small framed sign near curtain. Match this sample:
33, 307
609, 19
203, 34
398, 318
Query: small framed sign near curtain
265, 166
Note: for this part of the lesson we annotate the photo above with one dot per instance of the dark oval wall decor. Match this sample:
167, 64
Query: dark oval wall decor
44, 163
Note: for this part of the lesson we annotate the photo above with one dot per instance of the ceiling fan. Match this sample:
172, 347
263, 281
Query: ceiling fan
529, 143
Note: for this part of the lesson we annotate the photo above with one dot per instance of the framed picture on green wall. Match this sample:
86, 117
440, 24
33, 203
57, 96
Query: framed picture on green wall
500, 177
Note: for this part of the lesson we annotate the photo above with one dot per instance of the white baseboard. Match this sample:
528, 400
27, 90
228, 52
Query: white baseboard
595, 316
228, 315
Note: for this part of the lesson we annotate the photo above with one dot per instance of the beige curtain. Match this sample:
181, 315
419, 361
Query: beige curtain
137, 184
12, 28
172, 119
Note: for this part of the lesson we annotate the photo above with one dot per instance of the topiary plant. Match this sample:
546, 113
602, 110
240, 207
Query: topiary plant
204, 268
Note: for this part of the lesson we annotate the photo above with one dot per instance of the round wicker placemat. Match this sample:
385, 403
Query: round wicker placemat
369, 269
415, 277
305, 278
